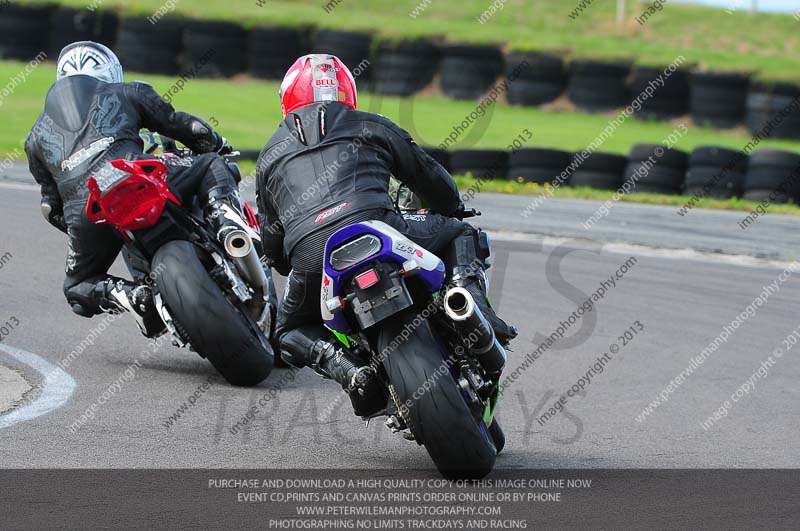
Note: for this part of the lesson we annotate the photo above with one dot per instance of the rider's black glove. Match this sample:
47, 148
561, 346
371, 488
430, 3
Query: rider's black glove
225, 148
281, 266
53, 212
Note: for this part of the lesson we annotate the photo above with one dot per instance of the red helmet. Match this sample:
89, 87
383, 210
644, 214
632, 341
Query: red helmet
315, 78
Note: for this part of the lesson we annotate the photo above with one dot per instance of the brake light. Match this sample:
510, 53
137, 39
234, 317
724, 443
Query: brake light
367, 279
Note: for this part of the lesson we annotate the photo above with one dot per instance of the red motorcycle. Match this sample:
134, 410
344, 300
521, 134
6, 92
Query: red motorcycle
216, 298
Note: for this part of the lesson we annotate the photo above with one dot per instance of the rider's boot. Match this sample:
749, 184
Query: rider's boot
308, 346
469, 258
224, 211
116, 295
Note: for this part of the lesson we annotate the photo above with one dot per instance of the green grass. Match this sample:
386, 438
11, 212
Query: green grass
768, 44
248, 113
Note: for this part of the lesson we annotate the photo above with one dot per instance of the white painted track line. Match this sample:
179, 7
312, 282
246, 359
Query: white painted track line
56, 388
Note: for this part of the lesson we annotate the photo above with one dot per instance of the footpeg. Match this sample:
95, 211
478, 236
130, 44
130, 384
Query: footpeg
395, 424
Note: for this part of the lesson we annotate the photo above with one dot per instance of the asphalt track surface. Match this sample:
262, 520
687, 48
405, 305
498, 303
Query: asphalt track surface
681, 303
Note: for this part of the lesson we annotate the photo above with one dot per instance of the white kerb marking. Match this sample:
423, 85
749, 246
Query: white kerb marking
57, 387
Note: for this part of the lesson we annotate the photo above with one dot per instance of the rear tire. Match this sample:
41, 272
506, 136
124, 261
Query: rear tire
217, 329
459, 444
498, 436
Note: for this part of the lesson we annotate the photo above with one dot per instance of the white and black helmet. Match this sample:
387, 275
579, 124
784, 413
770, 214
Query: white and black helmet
87, 58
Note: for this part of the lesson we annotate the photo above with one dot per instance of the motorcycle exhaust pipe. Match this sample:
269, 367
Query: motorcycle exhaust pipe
460, 307
240, 248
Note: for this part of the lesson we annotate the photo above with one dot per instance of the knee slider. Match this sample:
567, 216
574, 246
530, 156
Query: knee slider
223, 169
300, 346
223, 192
484, 245
235, 171
295, 348
82, 310
471, 245
83, 300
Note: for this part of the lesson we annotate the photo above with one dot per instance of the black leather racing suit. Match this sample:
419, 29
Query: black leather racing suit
85, 124
328, 166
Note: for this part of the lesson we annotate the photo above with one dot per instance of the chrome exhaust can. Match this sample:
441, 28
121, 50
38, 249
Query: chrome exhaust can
473, 327
239, 246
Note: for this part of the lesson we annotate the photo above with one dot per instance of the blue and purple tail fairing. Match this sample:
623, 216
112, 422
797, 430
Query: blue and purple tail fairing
394, 247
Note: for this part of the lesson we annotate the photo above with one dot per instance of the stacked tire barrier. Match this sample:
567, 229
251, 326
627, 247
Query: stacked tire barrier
778, 104
715, 172
172, 45
24, 31
603, 171
598, 86
468, 71
536, 165
214, 49
271, 51
352, 48
718, 100
773, 175
669, 100
68, 25
146, 47
708, 171
543, 81
405, 67
654, 169
482, 164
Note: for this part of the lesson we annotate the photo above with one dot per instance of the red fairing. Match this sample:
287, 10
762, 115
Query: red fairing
136, 201
317, 78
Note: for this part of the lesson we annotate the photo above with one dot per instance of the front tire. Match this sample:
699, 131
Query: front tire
459, 444
219, 331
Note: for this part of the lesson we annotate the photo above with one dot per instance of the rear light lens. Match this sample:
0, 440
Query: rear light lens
355, 251
108, 177
367, 279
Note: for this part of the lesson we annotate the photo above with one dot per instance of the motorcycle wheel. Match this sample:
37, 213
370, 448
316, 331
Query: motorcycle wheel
498, 436
217, 329
459, 444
